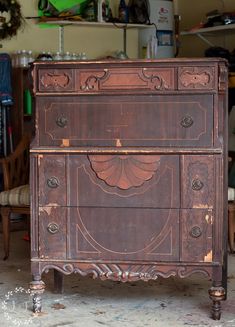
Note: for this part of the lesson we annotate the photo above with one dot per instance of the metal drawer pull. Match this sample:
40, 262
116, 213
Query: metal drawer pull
53, 182
53, 228
62, 121
187, 121
197, 185
196, 231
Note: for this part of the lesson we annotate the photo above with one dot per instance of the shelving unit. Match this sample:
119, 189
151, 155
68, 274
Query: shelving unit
62, 23
213, 31
210, 31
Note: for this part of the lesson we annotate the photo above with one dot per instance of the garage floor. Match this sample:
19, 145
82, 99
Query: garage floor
92, 303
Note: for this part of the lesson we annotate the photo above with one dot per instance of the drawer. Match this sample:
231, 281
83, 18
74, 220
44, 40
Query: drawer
197, 181
196, 235
126, 121
125, 79
123, 234
150, 181
56, 80
197, 78
52, 232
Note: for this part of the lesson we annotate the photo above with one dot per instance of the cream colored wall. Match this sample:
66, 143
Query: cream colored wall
95, 42
194, 13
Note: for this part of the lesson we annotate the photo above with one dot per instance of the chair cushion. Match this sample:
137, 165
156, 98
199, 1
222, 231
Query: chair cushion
231, 194
18, 196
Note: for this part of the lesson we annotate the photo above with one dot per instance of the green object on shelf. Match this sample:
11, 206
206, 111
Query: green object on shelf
62, 9
62, 5
27, 102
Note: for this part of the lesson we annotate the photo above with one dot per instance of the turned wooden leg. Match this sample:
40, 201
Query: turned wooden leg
217, 294
37, 288
5, 213
58, 282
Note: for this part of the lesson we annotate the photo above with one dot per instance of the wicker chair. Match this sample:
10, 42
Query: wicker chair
15, 196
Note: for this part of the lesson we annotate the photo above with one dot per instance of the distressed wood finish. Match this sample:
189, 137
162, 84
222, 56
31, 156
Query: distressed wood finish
119, 120
128, 171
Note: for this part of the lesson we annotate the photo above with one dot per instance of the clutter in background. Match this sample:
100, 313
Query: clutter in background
215, 18
23, 58
136, 11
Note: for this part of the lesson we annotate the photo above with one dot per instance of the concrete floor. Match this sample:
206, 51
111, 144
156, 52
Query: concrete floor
92, 303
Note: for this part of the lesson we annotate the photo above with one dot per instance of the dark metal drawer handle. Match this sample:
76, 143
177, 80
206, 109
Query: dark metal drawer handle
62, 121
197, 185
196, 231
53, 228
187, 121
53, 182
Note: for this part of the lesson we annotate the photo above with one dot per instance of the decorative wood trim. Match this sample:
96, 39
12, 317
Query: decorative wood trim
126, 150
132, 79
124, 272
223, 78
93, 81
157, 81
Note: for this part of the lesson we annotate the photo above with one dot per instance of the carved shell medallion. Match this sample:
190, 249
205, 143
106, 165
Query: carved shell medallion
124, 171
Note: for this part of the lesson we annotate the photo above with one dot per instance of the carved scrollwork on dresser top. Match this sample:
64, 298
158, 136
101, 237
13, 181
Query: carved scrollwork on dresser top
130, 79
92, 82
158, 80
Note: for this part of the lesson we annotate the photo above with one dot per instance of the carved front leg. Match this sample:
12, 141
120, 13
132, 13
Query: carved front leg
216, 294
37, 288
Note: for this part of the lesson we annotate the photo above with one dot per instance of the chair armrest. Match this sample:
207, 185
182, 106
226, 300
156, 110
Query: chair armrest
15, 167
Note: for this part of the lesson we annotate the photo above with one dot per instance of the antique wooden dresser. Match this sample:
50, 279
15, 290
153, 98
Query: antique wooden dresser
128, 171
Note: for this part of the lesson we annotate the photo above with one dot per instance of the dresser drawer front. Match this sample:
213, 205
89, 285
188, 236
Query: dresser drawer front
197, 181
56, 80
52, 180
196, 231
123, 234
145, 181
52, 232
128, 79
127, 121
150, 181
197, 78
